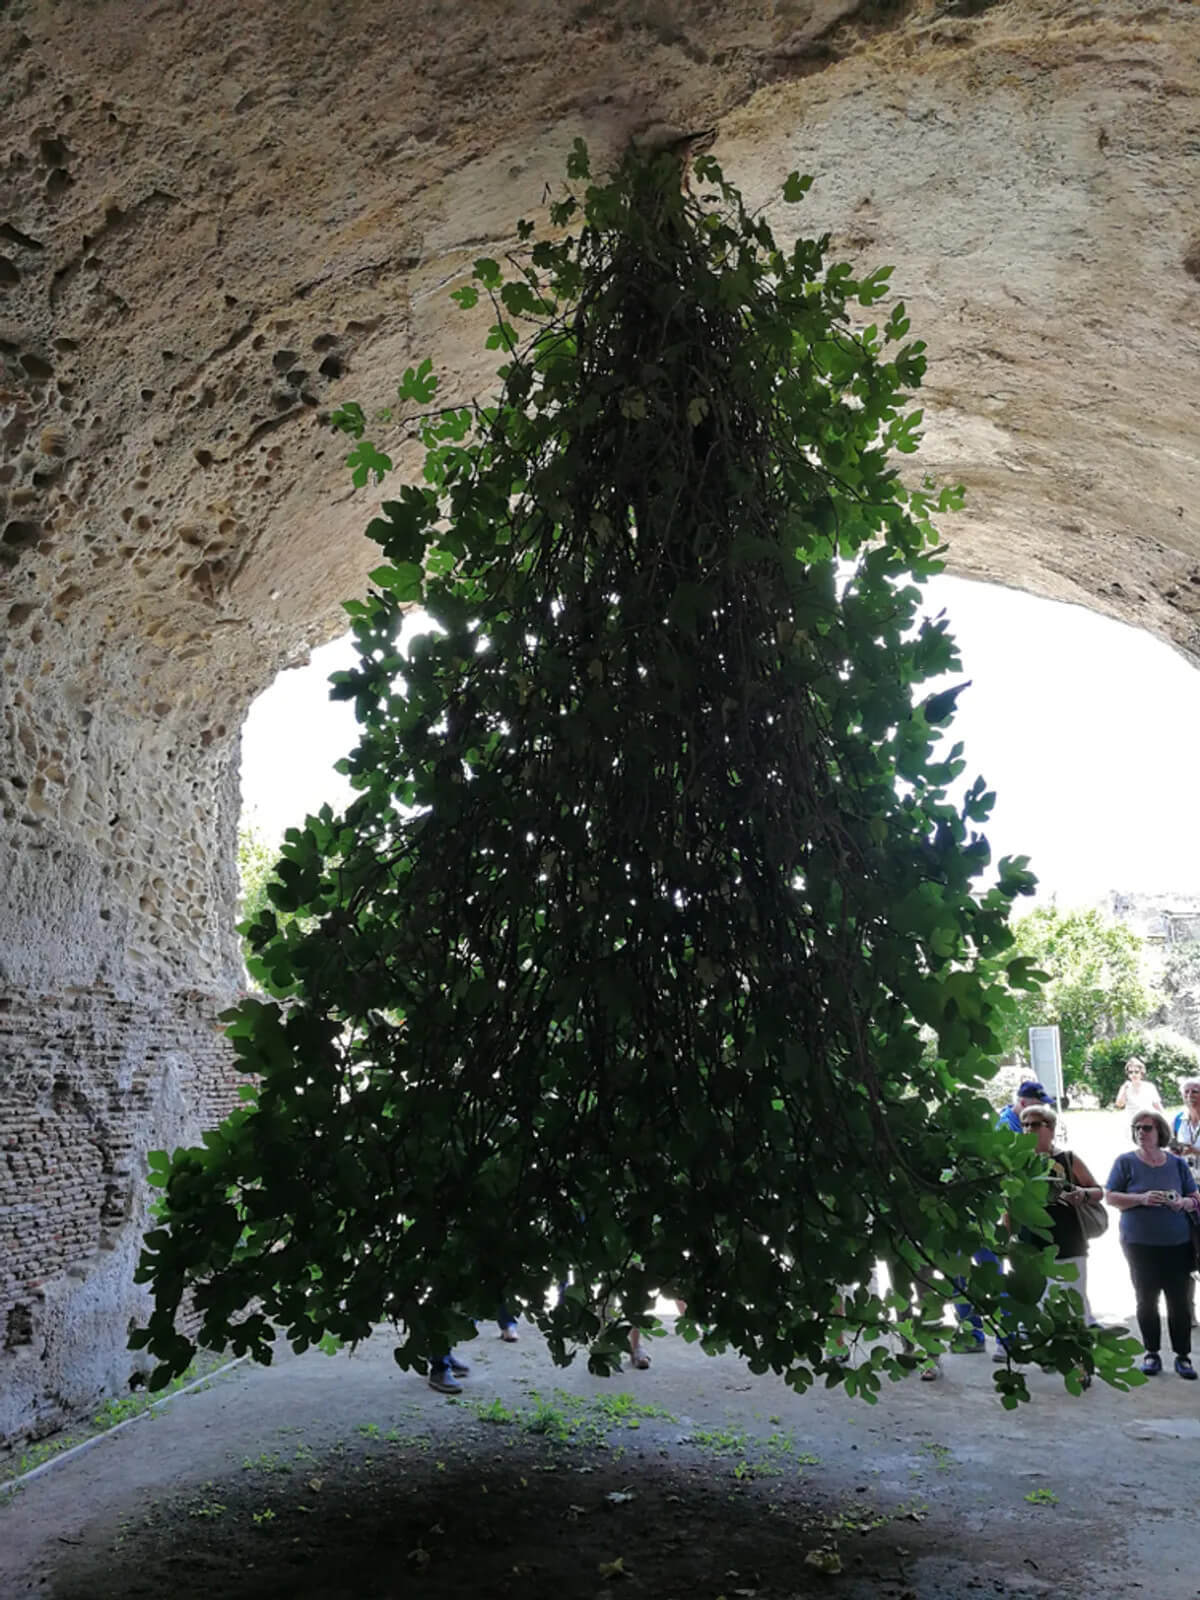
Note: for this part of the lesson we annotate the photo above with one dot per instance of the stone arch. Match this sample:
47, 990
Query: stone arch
214, 226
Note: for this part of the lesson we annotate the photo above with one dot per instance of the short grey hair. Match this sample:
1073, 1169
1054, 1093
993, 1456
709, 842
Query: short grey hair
1048, 1113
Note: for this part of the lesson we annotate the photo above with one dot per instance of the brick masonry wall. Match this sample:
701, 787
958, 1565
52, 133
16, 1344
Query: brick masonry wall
90, 1080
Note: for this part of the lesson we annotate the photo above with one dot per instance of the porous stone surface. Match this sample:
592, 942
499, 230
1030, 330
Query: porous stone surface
92, 1079
218, 221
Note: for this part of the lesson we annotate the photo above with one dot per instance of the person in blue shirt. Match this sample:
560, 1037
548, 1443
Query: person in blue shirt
1155, 1190
1029, 1093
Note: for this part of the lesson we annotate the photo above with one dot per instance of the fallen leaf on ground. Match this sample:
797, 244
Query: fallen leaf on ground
826, 1561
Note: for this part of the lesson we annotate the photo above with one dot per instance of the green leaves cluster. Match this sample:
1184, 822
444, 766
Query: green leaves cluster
255, 862
1180, 998
621, 963
1093, 986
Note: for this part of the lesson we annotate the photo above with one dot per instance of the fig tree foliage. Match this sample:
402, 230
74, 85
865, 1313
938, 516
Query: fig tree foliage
623, 966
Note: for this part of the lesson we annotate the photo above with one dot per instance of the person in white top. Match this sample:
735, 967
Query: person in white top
1186, 1128
1137, 1093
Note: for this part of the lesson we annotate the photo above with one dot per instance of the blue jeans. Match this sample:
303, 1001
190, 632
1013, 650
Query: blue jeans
966, 1311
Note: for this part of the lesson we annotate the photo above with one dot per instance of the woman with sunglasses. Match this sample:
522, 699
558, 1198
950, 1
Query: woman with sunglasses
1154, 1191
1071, 1184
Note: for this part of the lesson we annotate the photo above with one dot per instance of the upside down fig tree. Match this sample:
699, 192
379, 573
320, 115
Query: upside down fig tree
624, 963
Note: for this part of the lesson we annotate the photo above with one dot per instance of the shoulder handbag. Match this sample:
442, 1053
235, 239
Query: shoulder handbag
1194, 1238
1193, 1217
1093, 1214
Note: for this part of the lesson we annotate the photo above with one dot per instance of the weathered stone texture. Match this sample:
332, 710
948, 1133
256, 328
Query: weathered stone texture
89, 1082
218, 221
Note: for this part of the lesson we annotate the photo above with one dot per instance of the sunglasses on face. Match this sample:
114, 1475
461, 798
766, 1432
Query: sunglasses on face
1034, 1122
1143, 1127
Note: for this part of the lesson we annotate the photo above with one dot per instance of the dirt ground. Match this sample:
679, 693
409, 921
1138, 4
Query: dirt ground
327, 1477
322, 1477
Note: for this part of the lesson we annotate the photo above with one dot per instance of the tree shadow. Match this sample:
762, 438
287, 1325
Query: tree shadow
433, 1518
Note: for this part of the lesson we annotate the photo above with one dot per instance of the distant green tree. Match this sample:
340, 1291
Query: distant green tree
1094, 987
1180, 1007
255, 860
1182, 969
259, 887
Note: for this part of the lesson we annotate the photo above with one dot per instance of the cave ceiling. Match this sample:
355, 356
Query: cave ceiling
219, 221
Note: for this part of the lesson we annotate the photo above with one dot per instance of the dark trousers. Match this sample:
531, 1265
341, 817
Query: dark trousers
1162, 1269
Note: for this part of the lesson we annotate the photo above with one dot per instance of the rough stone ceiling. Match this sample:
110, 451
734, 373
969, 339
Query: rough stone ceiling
217, 220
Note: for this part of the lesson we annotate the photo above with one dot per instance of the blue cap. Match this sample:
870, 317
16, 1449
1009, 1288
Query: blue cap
1031, 1089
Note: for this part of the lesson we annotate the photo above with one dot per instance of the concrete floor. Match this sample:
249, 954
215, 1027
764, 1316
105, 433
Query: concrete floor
948, 1470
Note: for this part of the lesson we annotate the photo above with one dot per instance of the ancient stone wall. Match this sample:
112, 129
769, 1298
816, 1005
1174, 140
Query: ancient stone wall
117, 954
89, 1081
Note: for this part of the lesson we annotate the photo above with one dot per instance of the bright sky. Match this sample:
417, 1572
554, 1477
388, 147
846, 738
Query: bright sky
1089, 731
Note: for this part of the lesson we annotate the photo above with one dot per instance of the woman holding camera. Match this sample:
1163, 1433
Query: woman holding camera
1154, 1190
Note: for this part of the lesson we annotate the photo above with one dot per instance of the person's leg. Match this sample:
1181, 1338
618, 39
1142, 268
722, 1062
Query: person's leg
1081, 1288
837, 1350
970, 1315
1176, 1280
637, 1355
918, 1284
970, 1318
1078, 1282
924, 1285
1145, 1277
966, 1311
902, 1288
507, 1324
444, 1372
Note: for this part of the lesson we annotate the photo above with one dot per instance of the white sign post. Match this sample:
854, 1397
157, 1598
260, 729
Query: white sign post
1045, 1059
